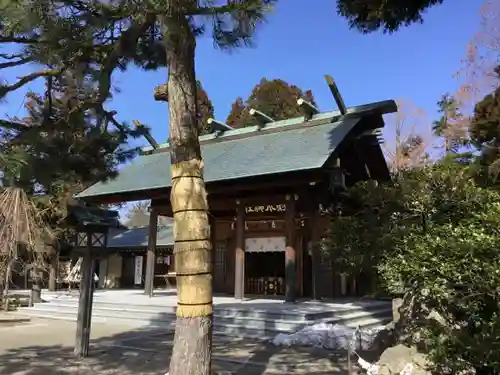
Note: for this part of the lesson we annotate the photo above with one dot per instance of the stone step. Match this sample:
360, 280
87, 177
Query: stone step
294, 313
134, 312
233, 325
352, 319
359, 318
238, 319
230, 316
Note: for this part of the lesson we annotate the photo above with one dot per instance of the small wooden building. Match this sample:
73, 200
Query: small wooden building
268, 189
121, 264
125, 266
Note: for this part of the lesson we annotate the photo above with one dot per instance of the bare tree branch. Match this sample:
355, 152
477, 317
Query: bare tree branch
410, 142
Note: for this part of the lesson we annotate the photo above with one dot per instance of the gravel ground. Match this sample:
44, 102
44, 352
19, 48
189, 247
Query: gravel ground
45, 347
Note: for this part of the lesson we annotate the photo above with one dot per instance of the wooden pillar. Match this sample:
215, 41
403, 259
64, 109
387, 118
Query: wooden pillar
315, 252
239, 264
290, 253
53, 272
215, 276
150, 260
85, 302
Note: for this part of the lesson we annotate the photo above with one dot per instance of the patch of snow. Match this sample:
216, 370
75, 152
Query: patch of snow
58, 297
329, 336
407, 370
370, 369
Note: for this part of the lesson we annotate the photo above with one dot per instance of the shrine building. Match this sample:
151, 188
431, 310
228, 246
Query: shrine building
269, 189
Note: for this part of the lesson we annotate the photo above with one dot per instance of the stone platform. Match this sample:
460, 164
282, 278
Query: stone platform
252, 317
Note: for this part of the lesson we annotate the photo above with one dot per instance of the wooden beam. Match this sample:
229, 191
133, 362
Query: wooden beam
239, 266
290, 253
129, 196
217, 126
147, 134
263, 184
308, 108
150, 258
378, 109
220, 202
261, 117
231, 187
336, 94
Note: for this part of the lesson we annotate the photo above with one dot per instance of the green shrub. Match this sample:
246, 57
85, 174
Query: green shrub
435, 235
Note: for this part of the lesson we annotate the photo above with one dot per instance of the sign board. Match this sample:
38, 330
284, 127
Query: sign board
269, 208
138, 270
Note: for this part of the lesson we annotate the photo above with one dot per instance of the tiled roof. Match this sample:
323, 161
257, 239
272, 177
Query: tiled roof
282, 146
81, 215
138, 237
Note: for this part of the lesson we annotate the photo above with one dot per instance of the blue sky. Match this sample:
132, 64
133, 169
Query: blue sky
302, 43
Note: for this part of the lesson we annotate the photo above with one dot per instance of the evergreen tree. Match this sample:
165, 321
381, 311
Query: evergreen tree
276, 98
97, 38
63, 150
386, 15
485, 129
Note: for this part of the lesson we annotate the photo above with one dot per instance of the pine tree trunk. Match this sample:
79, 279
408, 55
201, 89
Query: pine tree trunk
193, 333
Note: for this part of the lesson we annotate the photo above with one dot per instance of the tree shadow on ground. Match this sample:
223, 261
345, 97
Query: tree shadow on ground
305, 360
105, 358
147, 350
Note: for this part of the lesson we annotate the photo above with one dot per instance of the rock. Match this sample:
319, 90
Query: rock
393, 360
385, 338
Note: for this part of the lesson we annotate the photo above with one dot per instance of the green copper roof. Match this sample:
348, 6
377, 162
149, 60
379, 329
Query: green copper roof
87, 216
287, 147
138, 237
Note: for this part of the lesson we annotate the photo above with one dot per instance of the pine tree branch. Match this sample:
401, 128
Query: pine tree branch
12, 125
12, 64
5, 89
110, 117
210, 11
248, 6
19, 39
160, 93
6, 56
127, 41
